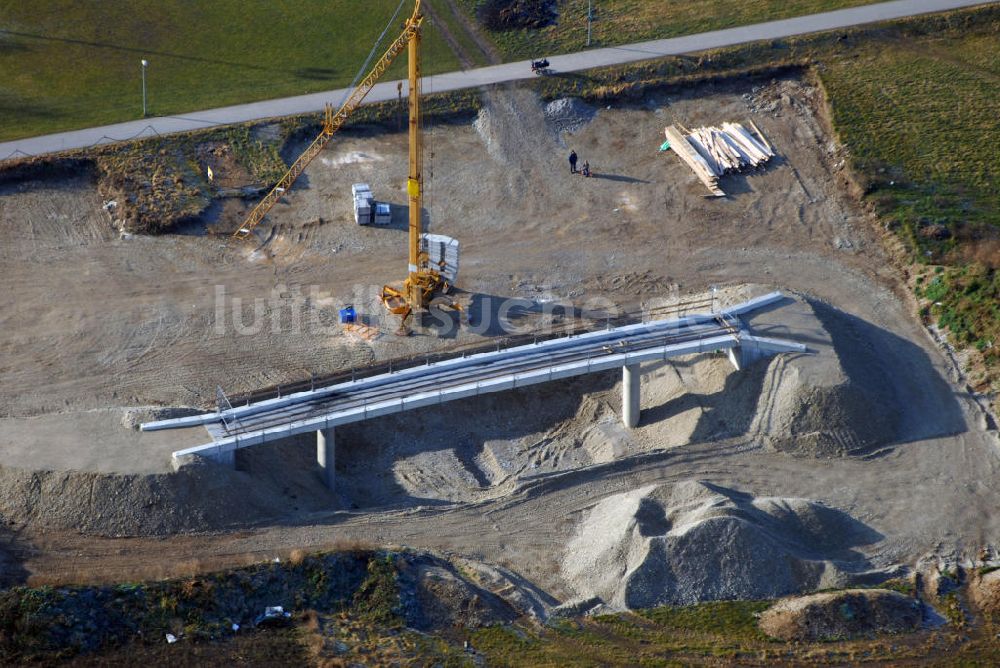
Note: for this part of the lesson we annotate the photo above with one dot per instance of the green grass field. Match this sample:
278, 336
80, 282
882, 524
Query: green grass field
68, 64
923, 112
624, 21
921, 118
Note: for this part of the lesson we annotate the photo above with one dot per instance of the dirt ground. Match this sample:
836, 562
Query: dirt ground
92, 321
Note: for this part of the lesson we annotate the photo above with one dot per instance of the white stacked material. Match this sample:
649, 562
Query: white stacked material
442, 254
686, 151
383, 214
730, 148
362, 211
364, 203
714, 151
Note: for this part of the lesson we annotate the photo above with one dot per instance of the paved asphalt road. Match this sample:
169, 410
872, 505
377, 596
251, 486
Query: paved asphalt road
485, 75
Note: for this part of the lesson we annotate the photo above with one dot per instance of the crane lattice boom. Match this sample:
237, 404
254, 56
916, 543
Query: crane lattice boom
331, 124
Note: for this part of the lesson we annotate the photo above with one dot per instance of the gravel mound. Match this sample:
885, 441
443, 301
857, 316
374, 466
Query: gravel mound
841, 615
568, 114
512, 126
805, 411
695, 541
274, 483
833, 403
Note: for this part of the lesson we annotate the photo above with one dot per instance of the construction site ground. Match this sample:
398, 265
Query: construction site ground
97, 326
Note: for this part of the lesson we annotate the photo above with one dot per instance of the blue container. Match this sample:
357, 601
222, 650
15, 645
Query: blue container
347, 315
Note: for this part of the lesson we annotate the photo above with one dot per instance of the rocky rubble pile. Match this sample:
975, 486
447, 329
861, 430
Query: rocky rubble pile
695, 541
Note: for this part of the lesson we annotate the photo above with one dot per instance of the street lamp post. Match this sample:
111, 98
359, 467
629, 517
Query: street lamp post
145, 63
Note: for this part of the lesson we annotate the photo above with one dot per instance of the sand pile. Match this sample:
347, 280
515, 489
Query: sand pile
474, 449
841, 615
694, 541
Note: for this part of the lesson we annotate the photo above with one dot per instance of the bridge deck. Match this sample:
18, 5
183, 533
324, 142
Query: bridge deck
482, 373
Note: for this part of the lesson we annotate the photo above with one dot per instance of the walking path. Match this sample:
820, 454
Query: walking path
494, 74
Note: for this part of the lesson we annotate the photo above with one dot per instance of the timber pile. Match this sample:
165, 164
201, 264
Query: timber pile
713, 151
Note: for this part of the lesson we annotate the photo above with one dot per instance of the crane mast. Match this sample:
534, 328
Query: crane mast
415, 182
422, 280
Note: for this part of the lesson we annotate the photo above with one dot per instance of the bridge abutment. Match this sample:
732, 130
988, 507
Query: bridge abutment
326, 454
630, 395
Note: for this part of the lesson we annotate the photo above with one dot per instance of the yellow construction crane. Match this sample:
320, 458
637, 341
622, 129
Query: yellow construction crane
333, 122
424, 279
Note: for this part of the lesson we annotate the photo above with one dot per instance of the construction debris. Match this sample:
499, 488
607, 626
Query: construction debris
361, 332
273, 615
712, 151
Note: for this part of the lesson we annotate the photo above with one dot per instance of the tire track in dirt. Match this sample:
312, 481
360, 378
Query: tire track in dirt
485, 46
464, 59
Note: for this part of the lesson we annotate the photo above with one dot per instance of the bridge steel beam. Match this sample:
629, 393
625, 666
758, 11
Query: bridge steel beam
470, 362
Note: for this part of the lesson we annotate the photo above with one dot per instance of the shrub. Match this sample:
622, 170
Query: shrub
513, 14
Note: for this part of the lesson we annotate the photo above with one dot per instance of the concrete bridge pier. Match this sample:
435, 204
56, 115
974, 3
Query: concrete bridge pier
630, 395
326, 454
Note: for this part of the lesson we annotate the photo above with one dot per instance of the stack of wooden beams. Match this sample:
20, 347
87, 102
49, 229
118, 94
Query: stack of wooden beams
713, 151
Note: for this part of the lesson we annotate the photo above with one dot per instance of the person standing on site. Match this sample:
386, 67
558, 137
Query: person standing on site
572, 162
